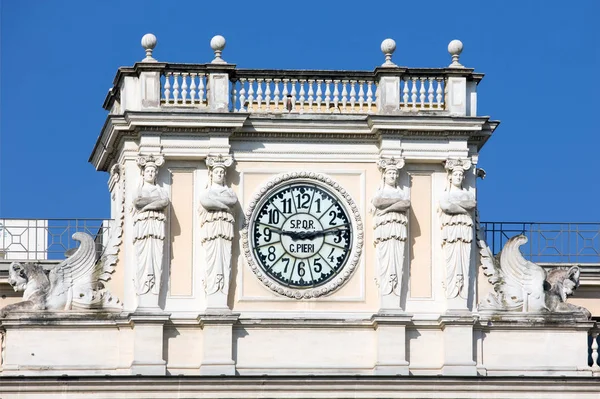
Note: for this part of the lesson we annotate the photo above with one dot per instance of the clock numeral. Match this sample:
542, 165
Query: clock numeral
273, 216
271, 254
318, 202
318, 267
287, 263
287, 205
333, 217
268, 234
338, 237
330, 256
302, 201
301, 269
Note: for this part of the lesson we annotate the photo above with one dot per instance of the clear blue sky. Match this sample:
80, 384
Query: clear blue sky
541, 60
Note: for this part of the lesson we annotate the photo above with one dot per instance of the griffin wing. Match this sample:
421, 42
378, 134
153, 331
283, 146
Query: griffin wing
76, 271
523, 281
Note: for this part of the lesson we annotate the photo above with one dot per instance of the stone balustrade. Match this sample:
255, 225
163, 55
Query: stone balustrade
222, 87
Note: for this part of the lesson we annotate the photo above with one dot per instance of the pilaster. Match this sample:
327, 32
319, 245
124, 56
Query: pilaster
148, 343
217, 357
458, 344
391, 343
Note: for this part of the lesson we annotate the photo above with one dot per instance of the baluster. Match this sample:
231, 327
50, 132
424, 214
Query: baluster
193, 87
259, 93
176, 88
595, 364
293, 94
327, 95
242, 94
184, 87
369, 95
201, 88
430, 94
250, 95
413, 93
361, 95
344, 95
438, 92
311, 94
284, 95
233, 96
301, 99
319, 95
336, 95
352, 95
405, 92
167, 88
268, 94
276, 93
422, 93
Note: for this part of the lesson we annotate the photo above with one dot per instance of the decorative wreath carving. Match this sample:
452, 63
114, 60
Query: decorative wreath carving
357, 225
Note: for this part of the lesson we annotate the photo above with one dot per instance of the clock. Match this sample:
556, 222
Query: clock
303, 235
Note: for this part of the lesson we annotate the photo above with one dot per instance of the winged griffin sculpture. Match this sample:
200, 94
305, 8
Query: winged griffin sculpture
521, 285
72, 284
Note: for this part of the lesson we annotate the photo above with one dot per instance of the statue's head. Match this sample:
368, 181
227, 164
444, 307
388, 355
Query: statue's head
149, 167
150, 173
563, 281
456, 171
390, 170
456, 178
217, 175
17, 276
218, 168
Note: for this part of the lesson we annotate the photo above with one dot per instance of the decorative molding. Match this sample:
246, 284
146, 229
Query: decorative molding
357, 245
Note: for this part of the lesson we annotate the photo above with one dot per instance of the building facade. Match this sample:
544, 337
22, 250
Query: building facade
304, 233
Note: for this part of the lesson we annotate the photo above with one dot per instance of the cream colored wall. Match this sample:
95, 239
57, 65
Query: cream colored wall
247, 293
359, 293
181, 232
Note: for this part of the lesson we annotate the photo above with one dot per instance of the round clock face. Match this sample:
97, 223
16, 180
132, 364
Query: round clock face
301, 234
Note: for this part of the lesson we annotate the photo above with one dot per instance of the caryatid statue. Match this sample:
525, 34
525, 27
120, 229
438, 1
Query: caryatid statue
216, 225
457, 205
390, 223
149, 218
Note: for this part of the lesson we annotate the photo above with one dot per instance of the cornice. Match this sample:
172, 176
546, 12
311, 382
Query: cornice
307, 128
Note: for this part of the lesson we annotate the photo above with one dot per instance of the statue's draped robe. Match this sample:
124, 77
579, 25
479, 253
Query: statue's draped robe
390, 242
216, 235
457, 236
149, 237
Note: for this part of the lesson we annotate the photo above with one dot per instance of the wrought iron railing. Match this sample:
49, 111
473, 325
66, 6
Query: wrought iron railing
548, 242
41, 239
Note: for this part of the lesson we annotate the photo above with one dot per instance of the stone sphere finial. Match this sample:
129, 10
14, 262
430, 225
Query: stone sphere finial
217, 43
148, 43
388, 46
455, 47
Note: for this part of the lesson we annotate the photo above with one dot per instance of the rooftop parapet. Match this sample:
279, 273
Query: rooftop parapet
218, 86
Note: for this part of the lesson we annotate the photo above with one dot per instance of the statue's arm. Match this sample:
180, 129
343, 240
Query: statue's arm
451, 207
213, 203
382, 202
158, 204
468, 204
398, 206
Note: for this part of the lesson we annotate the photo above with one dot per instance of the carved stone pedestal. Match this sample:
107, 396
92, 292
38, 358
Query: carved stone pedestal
217, 357
391, 343
458, 345
217, 303
148, 343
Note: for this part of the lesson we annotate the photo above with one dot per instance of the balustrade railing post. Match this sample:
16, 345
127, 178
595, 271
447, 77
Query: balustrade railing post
217, 86
388, 78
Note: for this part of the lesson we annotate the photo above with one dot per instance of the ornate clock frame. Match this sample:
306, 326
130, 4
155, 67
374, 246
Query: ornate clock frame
333, 188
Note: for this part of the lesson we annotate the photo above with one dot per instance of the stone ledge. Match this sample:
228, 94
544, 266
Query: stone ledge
303, 387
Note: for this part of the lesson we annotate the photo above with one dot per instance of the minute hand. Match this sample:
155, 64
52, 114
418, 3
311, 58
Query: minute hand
303, 235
